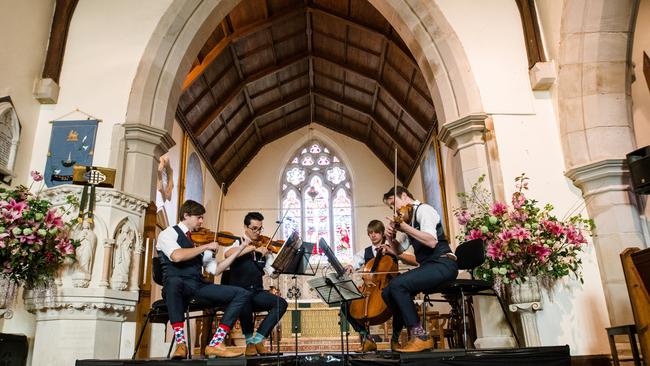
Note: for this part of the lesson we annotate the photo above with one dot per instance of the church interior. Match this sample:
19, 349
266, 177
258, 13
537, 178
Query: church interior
311, 113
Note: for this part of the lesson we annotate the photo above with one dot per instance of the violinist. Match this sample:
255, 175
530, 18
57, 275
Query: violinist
182, 280
425, 235
247, 271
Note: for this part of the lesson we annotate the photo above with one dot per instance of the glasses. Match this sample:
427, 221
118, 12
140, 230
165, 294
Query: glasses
256, 229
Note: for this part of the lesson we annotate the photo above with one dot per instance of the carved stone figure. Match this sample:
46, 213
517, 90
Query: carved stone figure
85, 254
122, 257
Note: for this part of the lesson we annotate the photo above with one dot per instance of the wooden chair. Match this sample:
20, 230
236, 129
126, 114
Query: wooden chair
636, 267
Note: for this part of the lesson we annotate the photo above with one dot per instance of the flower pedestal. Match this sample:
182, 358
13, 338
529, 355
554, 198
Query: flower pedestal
527, 300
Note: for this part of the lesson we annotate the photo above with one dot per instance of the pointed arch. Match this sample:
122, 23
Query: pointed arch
316, 197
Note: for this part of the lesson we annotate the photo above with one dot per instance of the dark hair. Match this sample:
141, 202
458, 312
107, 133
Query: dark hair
191, 208
252, 216
399, 190
376, 226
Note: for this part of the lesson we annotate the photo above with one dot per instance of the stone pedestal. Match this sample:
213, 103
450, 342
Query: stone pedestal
526, 300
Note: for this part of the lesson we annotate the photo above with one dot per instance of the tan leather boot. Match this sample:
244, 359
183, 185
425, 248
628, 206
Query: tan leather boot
180, 352
368, 345
221, 351
416, 344
261, 349
250, 350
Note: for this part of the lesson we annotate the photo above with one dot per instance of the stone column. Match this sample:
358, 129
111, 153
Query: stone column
106, 265
466, 137
144, 146
610, 203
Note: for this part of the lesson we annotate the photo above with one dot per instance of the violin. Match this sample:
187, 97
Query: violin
204, 236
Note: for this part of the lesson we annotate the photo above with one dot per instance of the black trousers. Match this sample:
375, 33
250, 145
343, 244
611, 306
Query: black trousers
400, 291
262, 300
178, 290
355, 324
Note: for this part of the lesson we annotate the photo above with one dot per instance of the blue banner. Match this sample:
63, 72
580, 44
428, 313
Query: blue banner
71, 143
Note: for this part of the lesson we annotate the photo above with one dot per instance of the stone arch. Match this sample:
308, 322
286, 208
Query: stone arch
186, 25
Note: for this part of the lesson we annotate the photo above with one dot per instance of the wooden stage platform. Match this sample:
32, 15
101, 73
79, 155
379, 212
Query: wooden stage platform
542, 356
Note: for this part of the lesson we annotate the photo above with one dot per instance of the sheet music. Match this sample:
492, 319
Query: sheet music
324, 286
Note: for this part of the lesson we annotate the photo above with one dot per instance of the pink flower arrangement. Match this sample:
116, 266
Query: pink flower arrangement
522, 240
34, 239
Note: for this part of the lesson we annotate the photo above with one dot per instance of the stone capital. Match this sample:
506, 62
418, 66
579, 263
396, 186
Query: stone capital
464, 132
601, 176
146, 139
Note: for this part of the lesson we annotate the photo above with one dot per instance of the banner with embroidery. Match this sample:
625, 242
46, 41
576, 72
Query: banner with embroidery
71, 143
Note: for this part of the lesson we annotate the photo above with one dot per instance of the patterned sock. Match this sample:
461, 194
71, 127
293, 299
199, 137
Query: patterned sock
219, 335
363, 334
179, 333
249, 338
418, 331
258, 338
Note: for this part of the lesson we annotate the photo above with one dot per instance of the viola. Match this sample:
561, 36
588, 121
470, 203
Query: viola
273, 246
371, 309
404, 214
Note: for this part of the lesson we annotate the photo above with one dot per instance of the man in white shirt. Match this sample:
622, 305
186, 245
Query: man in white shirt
247, 271
183, 265
436, 266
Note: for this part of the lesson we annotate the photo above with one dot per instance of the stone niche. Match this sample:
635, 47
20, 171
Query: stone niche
9, 137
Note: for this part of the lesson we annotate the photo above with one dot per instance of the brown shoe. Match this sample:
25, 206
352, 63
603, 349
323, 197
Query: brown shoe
180, 352
416, 344
221, 351
368, 345
251, 350
395, 346
261, 349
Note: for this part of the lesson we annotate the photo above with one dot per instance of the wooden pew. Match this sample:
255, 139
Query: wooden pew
636, 266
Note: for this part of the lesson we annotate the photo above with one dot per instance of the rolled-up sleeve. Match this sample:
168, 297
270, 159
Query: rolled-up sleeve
167, 242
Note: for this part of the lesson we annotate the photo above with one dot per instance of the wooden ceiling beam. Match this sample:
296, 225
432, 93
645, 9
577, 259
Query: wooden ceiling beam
183, 121
261, 112
233, 37
364, 74
353, 24
359, 109
269, 71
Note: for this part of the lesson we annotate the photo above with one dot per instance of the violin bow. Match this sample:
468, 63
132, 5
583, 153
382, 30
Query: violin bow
216, 231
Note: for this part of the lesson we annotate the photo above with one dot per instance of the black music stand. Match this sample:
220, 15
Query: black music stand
299, 265
337, 289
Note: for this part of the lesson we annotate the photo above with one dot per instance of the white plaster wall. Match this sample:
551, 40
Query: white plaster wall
105, 43
577, 314
21, 63
258, 186
493, 41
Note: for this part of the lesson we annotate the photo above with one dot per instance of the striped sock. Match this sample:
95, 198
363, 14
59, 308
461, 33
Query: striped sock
179, 333
219, 335
249, 338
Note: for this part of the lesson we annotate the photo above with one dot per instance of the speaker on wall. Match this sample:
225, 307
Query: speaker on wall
639, 164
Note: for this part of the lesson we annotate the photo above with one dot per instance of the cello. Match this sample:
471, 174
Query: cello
371, 309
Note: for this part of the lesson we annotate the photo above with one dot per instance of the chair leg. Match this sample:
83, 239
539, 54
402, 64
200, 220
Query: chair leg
144, 327
424, 312
505, 313
462, 306
189, 333
634, 349
171, 344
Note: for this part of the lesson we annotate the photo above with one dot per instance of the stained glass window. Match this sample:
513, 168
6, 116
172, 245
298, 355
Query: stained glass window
317, 199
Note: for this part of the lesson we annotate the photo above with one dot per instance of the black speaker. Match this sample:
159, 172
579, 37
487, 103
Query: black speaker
13, 350
639, 163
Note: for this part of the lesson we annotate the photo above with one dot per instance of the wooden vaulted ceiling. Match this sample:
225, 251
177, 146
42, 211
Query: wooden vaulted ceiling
274, 66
